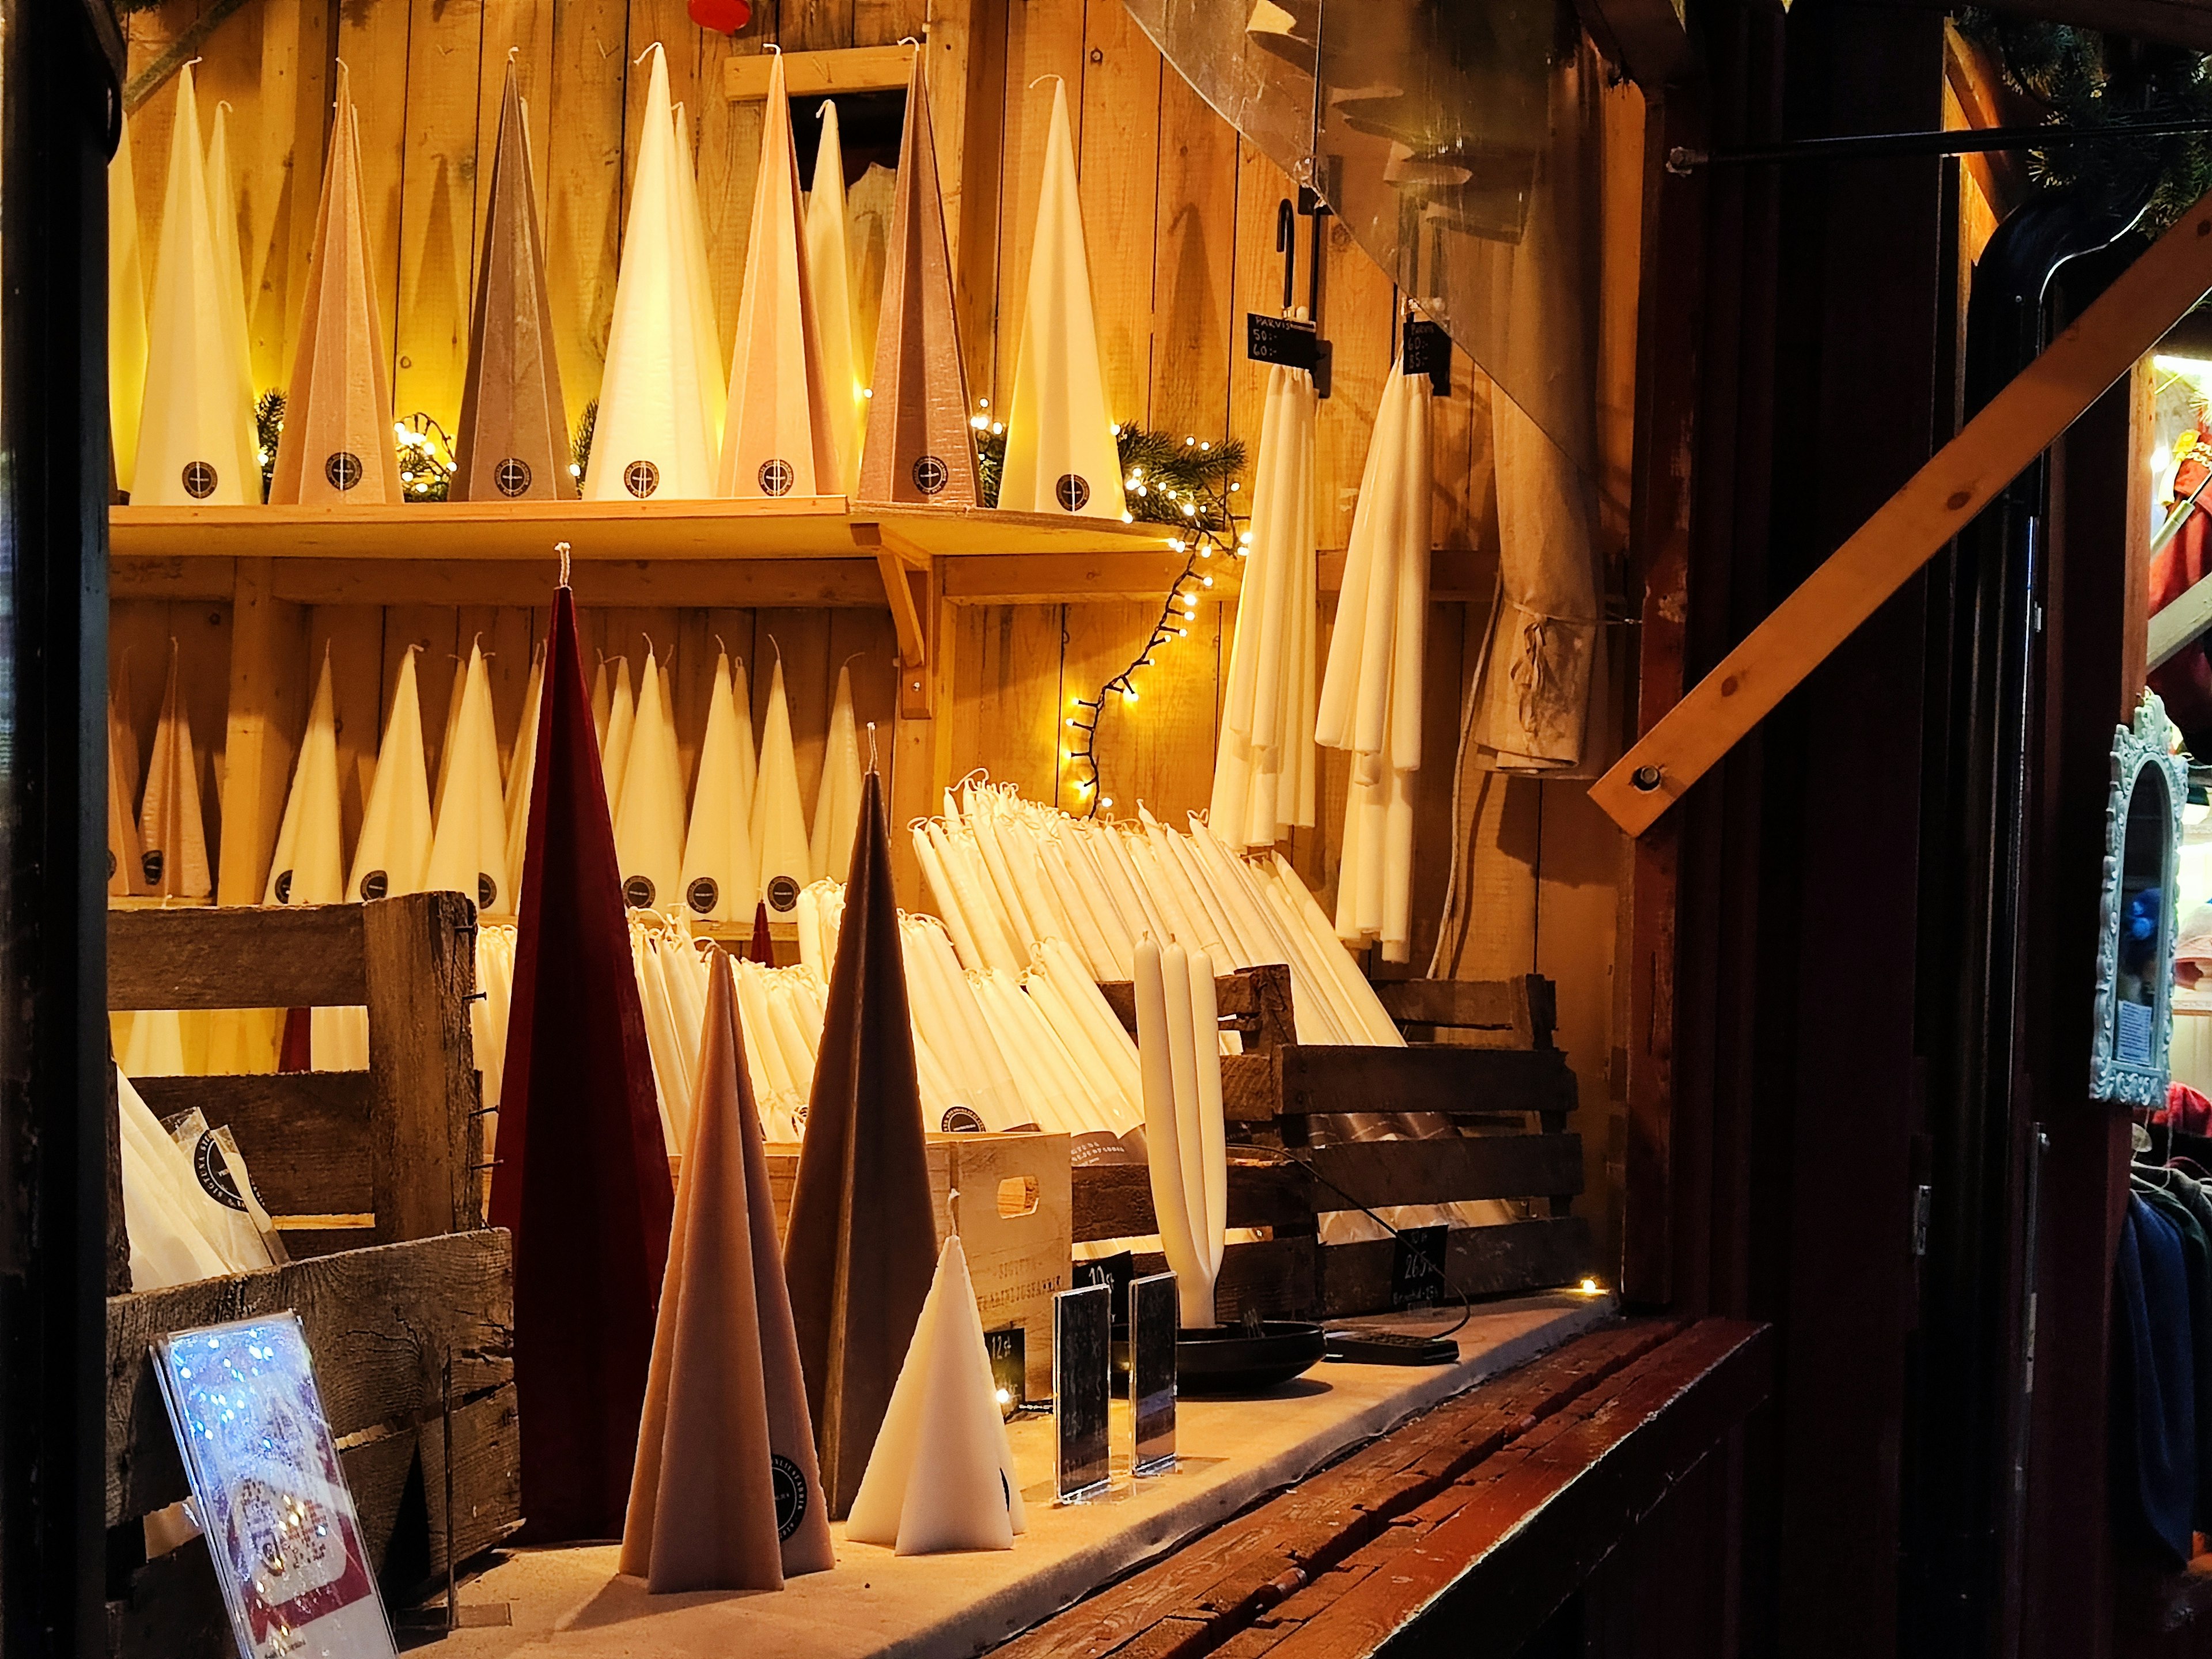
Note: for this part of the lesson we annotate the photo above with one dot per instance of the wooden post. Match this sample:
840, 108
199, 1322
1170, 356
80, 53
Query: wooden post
268, 645
425, 1129
922, 749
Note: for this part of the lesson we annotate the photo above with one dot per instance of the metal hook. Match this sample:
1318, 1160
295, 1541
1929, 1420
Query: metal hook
1286, 244
561, 548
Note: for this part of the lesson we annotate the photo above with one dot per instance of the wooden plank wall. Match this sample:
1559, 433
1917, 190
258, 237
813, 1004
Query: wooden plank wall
1180, 215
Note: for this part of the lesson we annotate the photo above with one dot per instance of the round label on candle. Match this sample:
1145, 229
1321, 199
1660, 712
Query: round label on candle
375, 885
638, 892
641, 478
783, 893
1072, 491
487, 891
961, 1121
342, 469
283, 887
111, 864
701, 894
930, 475
776, 477
199, 480
790, 1483
150, 862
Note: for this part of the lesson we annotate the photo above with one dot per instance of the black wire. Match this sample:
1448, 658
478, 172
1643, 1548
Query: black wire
1467, 1308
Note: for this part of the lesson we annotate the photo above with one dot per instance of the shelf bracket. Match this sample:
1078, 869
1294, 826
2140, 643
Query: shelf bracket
901, 565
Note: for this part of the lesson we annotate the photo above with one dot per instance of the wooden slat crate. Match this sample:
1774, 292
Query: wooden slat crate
1509, 1102
384, 1324
359, 1158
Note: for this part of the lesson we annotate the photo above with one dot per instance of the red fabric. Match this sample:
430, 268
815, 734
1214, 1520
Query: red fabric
2184, 685
2186, 1109
582, 1173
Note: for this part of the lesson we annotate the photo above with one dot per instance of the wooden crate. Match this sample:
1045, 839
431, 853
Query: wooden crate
340, 1158
384, 1324
1014, 1225
1495, 1075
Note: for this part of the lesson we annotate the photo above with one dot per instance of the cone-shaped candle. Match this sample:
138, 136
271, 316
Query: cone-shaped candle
943, 1475
706, 332
779, 823
919, 447
837, 799
126, 868
187, 450
337, 442
654, 435
393, 851
718, 851
726, 1451
172, 833
862, 1234
519, 773
582, 1176
830, 268
230, 278
649, 822
513, 440
741, 699
622, 726
1060, 455
309, 867
126, 311
468, 852
778, 440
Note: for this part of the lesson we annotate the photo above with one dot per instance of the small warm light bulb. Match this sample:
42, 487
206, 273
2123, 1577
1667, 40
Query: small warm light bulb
867, 392
1208, 580
983, 402
977, 422
1106, 800
1006, 1398
1128, 518
1589, 1287
1128, 694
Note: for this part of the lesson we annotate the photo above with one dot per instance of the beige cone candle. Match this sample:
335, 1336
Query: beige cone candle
779, 822
649, 817
172, 832
828, 268
837, 799
706, 334
468, 850
309, 865
622, 728
230, 278
187, 450
1061, 455
513, 440
942, 1475
655, 436
126, 311
519, 772
337, 445
919, 448
393, 853
719, 866
726, 1456
777, 438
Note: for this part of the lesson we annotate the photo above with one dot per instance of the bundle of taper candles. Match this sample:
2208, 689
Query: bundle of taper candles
786, 408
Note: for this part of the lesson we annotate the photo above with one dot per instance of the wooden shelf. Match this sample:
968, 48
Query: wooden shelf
810, 550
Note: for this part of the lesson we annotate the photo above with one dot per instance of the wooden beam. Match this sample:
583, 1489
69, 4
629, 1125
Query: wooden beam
426, 1122
1938, 502
268, 642
811, 73
296, 956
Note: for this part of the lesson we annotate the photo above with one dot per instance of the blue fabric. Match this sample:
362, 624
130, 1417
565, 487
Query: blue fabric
2154, 1372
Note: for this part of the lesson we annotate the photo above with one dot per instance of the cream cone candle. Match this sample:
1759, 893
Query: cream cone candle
1060, 453
188, 440
942, 1475
649, 818
468, 848
230, 279
126, 311
655, 439
706, 334
778, 439
520, 770
837, 799
622, 728
171, 830
718, 877
337, 445
828, 269
309, 866
393, 854
779, 823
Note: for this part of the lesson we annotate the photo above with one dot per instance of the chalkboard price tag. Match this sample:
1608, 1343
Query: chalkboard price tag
1416, 1268
1428, 351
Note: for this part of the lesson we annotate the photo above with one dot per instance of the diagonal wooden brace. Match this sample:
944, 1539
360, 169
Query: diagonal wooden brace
900, 563
1909, 529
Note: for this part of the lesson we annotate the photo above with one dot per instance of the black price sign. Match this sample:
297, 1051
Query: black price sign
1416, 1268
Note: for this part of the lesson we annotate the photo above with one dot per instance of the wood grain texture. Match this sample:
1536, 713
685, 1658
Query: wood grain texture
289, 957
1115, 1200
426, 1126
395, 1314
1318, 1077
304, 1134
1505, 1259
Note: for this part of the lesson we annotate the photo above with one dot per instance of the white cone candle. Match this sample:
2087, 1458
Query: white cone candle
309, 867
718, 848
779, 822
468, 849
126, 311
621, 725
1061, 455
649, 820
394, 849
230, 278
706, 334
519, 772
942, 1476
187, 449
654, 435
837, 798
171, 830
778, 440
829, 270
